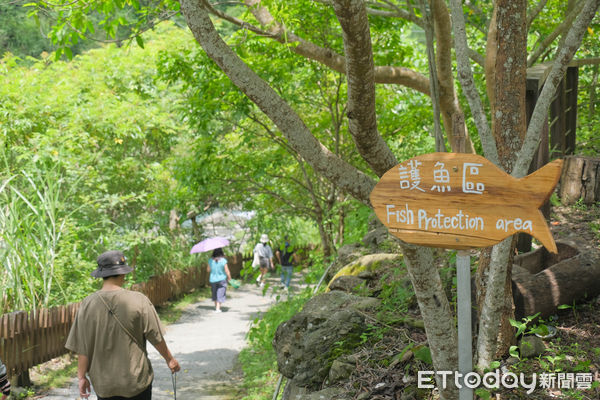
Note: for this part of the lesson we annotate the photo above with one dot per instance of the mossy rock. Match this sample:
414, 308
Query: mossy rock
329, 325
365, 264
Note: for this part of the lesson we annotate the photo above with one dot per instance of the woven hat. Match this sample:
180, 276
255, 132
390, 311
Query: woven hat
111, 263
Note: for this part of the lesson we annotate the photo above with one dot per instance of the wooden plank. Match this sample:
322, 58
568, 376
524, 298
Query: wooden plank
10, 358
27, 349
19, 342
572, 79
44, 333
461, 201
557, 130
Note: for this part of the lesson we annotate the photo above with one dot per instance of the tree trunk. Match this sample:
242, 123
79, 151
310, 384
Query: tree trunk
509, 121
580, 179
493, 306
326, 242
435, 311
542, 281
509, 128
449, 104
339, 240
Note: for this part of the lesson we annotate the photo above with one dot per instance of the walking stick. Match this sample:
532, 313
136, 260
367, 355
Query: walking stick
174, 380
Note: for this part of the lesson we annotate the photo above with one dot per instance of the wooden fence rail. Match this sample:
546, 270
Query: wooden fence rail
28, 339
31, 338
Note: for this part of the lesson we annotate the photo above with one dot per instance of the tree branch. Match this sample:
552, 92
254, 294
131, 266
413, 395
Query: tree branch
475, 56
465, 76
433, 80
560, 29
283, 116
540, 113
383, 74
238, 22
362, 121
307, 185
396, 12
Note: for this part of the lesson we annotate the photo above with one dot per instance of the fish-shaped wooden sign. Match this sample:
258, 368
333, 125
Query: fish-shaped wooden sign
462, 201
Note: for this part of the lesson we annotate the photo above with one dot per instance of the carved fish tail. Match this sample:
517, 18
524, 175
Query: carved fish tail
543, 233
542, 181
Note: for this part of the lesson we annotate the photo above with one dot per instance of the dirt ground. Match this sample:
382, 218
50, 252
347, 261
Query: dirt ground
578, 221
575, 349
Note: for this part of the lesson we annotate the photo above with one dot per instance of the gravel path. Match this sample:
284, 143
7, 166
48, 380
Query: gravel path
205, 343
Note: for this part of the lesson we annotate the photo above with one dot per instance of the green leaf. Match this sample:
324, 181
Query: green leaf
483, 393
423, 353
515, 323
514, 352
541, 330
139, 41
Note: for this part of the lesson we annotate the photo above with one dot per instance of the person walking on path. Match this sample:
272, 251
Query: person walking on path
4, 382
109, 336
219, 276
284, 255
265, 258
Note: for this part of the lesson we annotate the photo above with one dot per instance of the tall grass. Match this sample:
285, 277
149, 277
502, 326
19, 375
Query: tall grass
32, 219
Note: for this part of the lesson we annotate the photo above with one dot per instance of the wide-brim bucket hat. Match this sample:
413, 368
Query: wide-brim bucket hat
111, 263
264, 238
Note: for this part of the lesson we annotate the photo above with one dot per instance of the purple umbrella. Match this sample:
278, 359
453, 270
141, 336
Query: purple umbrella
209, 244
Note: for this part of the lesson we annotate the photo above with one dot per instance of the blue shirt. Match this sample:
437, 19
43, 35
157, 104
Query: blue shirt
217, 269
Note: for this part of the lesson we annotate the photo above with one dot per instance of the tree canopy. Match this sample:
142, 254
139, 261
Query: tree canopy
371, 45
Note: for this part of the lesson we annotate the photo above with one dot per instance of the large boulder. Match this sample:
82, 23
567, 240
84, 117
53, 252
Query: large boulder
306, 343
376, 237
347, 283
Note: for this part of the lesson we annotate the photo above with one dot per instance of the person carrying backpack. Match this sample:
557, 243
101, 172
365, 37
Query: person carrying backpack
284, 255
265, 258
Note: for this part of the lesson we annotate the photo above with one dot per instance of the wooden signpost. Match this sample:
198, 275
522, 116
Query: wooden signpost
463, 201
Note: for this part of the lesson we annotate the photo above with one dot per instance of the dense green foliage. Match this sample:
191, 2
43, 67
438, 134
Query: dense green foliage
97, 151
238, 151
28, 38
83, 146
259, 360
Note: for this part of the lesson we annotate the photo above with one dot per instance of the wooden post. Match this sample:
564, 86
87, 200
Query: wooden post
557, 124
572, 79
463, 304
580, 180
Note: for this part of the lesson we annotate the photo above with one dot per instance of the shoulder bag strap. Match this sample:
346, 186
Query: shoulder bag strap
111, 312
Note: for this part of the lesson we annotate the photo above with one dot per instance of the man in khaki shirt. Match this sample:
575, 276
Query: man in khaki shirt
109, 335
